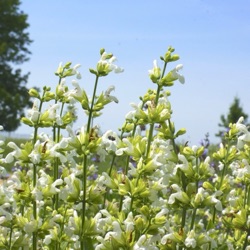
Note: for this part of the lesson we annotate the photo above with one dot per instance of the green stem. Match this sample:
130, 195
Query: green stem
151, 129
62, 225
55, 172
10, 237
92, 105
132, 197
125, 173
34, 239
84, 186
183, 220
112, 164
214, 214
56, 137
222, 176
246, 195
197, 186
193, 219
172, 139
56, 196
85, 162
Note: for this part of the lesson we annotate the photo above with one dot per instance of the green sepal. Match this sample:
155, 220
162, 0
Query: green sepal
92, 71
181, 131
240, 219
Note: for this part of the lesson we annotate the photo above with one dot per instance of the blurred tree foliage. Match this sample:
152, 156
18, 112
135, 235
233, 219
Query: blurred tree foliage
14, 41
235, 112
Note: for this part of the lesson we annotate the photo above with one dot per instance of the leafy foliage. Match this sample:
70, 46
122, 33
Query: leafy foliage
14, 41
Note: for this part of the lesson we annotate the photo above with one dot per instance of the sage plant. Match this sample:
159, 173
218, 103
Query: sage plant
139, 188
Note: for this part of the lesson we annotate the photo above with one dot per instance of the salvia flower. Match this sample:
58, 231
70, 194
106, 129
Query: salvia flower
177, 74
244, 133
106, 65
190, 241
155, 73
110, 97
33, 114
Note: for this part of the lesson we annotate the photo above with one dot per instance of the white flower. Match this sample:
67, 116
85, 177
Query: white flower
2, 219
190, 241
16, 153
52, 111
176, 74
109, 63
110, 140
129, 223
155, 73
128, 148
47, 239
133, 170
35, 156
54, 185
126, 203
116, 233
33, 114
162, 213
3, 212
167, 237
245, 134
132, 114
77, 91
139, 244
184, 166
215, 201
30, 227
76, 72
53, 152
110, 97
179, 195
71, 188
200, 196
37, 194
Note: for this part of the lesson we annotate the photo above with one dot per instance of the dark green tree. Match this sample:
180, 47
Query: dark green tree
14, 42
235, 112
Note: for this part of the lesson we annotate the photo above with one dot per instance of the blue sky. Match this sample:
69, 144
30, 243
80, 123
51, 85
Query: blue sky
212, 38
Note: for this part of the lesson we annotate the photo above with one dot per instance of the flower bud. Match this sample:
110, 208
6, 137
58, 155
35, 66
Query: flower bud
140, 224
171, 49
48, 96
208, 185
34, 93
174, 58
155, 73
102, 50
167, 56
67, 65
92, 71
27, 121
181, 131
